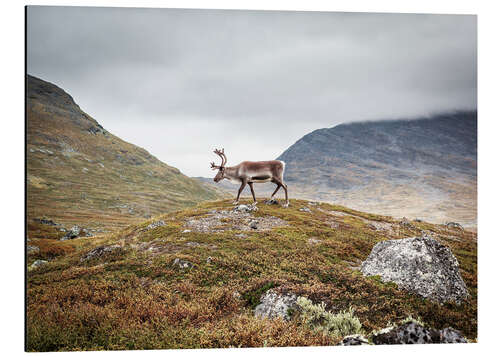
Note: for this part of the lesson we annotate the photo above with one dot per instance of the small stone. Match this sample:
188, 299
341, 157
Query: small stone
183, 264
73, 233
209, 260
305, 209
186, 231
32, 249
38, 263
100, 252
313, 241
454, 225
155, 225
193, 244
271, 202
353, 340
245, 208
241, 235
254, 224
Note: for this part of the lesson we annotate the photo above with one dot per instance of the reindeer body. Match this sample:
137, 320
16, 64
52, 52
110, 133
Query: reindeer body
250, 172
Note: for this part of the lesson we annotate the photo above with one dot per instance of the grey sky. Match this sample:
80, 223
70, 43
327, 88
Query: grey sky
181, 82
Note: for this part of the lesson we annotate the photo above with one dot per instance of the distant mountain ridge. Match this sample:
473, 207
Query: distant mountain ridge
77, 171
393, 166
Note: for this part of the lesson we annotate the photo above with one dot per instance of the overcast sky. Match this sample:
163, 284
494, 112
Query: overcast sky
181, 82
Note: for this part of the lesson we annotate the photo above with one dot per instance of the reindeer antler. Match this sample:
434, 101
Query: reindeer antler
222, 156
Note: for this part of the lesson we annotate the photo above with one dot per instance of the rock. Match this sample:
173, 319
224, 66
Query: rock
414, 333
449, 335
87, 233
406, 223
273, 305
186, 231
38, 263
354, 340
236, 295
155, 225
313, 241
271, 202
241, 235
48, 222
32, 249
245, 208
73, 233
454, 225
254, 224
183, 264
312, 203
100, 252
305, 209
209, 260
193, 244
421, 265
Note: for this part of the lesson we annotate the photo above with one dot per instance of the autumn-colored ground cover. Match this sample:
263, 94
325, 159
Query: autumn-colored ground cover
135, 298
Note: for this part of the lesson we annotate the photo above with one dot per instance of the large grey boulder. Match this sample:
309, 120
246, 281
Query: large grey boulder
273, 305
421, 265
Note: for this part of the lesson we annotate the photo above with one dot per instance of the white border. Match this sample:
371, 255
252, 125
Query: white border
12, 94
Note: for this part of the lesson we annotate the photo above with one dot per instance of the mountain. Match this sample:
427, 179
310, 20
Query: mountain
80, 173
193, 278
425, 168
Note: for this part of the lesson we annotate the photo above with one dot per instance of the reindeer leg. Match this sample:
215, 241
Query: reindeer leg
253, 193
281, 184
243, 184
277, 188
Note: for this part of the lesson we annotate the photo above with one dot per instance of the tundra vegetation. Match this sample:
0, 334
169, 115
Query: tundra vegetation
132, 295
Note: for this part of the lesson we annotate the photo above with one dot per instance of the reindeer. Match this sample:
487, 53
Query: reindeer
250, 172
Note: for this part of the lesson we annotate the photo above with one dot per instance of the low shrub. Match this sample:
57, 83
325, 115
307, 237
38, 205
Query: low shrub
316, 317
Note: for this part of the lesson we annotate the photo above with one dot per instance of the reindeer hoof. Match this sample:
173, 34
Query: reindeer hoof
236, 202
254, 204
286, 205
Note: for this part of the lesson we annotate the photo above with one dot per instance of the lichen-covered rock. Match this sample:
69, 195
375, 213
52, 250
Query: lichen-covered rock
414, 333
100, 252
421, 265
353, 340
273, 305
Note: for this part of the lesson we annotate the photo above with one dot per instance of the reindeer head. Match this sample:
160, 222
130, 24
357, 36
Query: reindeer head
221, 168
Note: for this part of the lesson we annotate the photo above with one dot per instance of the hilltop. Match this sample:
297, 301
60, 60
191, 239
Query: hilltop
193, 278
420, 168
80, 173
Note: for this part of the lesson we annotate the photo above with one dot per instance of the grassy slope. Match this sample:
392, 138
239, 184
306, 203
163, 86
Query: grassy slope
136, 299
96, 180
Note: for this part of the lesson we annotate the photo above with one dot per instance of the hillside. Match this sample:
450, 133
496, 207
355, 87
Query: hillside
425, 168
192, 279
80, 173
